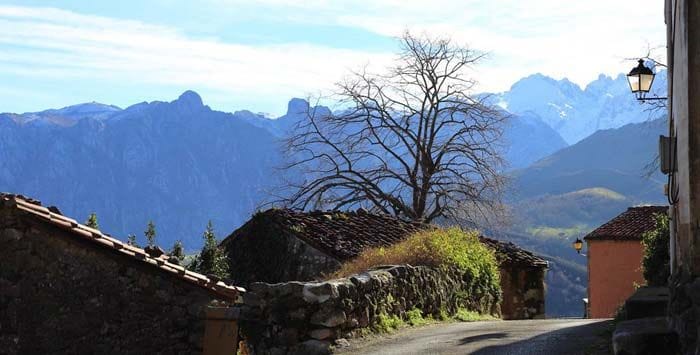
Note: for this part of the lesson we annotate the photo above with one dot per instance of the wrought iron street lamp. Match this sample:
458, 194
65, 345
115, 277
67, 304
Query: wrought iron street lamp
578, 245
640, 79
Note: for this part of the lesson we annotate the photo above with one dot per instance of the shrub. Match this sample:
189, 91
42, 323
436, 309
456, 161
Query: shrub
387, 324
415, 317
177, 253
440, 248
471, 316
655, 263
92, 221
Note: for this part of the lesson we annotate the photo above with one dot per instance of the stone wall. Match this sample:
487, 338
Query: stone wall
683, 308
311, 317
523, 292
59, 294
271, 255
683, 30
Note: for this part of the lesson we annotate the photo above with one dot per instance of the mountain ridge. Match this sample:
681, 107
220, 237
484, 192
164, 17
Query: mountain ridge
575, 112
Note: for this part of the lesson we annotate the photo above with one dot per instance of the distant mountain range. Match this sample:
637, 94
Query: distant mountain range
616, 159
575, 112
158, 160
178, 163
576, 156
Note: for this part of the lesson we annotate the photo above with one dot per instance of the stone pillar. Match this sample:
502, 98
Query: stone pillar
221, 331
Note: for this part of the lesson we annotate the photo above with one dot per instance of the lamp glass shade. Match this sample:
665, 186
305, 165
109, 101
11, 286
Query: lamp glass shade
640, 78
634, 83
645, 81
578, 245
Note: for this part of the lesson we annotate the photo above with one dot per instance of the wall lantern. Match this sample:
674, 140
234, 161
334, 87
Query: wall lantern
640, 79
578, 245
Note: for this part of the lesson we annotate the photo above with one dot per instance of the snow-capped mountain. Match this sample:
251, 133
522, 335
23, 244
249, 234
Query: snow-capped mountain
575, 112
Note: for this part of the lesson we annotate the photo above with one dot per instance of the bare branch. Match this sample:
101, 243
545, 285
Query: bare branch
413, 142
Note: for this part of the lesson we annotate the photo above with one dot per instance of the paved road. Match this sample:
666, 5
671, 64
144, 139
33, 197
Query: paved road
541, 337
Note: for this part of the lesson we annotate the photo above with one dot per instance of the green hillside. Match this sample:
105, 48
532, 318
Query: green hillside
573, 191
614, 159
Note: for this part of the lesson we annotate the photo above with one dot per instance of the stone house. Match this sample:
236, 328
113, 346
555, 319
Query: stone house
615, 259
281, 245
682, 19
68, 288
522, 280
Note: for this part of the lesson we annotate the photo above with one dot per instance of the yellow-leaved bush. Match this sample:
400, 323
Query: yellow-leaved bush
439, 248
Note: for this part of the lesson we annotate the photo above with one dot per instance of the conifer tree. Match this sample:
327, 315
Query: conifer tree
92, 221
211, 260
150, 234
177, 253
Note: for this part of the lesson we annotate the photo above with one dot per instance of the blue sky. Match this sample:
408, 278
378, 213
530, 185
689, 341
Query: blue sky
257, 54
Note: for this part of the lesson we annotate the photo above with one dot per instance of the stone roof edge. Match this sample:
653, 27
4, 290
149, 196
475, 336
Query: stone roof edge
34, 208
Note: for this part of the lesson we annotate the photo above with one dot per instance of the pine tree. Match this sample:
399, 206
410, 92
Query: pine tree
131, 240
211, 260
177, 253
92, 221
150, 234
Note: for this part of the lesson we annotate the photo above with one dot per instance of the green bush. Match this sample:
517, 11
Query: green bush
387, 324
441, 248
655, 263
464, 315
415, 317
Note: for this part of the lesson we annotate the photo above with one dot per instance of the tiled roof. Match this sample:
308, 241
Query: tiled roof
52, 216
344, 235
630, 225
511, 254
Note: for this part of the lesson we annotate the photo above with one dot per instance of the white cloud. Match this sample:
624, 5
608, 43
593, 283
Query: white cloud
47, 42
574, 39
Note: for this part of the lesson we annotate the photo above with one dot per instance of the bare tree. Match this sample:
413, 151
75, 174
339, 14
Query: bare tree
414, 142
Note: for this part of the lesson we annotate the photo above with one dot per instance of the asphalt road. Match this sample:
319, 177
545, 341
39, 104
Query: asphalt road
541, 337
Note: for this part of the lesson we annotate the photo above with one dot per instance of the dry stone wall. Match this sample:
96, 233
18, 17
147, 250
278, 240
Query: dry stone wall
59, 295
312, 317
523, 292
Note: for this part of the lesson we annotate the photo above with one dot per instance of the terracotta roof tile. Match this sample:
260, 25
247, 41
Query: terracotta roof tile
35, 209
629, 225
344, 235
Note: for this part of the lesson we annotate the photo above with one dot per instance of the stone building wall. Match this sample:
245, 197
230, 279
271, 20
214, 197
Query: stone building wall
683, 35
272, 255
523, 292
59, 294
310, 317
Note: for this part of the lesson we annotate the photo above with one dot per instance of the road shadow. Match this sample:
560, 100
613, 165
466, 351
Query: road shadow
467, 340
589, 339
